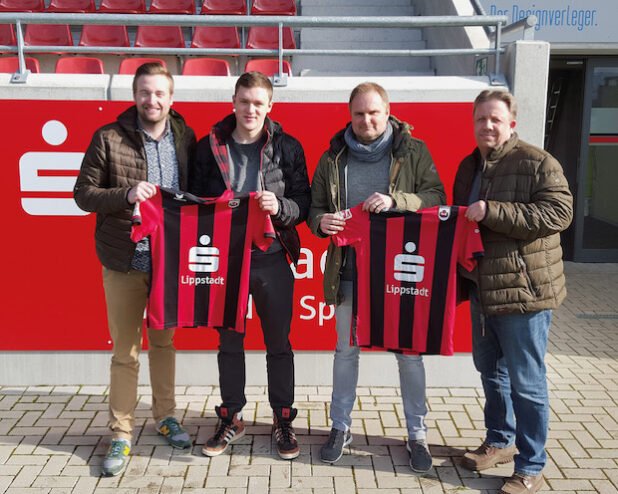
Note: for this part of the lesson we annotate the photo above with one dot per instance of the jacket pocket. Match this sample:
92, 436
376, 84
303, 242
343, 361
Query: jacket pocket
526, 275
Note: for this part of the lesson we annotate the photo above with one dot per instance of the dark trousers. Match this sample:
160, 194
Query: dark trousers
271, 284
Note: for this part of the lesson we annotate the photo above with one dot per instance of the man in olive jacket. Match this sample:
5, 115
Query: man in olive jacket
520, 198
374, 161
148, 145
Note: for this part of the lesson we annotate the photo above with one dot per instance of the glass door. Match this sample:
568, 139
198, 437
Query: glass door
596, 220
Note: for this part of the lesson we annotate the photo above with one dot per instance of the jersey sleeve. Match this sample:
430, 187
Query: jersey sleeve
471, 246
356, 223
146, 217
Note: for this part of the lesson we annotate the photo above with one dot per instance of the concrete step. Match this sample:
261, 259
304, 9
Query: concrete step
356, 34
396, 73
357, 10
365, 45
329, 3
357, 64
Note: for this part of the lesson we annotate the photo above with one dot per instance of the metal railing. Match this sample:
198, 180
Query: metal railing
20, 18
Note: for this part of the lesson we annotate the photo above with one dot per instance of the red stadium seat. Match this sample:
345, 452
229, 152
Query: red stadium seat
11, 65
206, 66
130, 65
273, 7
78, 6
160, 36
215, 37
48, 35
224, 7
172, 7
7, 35
268, 66
79, 65
100, 35
22, 5
123, 6
267, 38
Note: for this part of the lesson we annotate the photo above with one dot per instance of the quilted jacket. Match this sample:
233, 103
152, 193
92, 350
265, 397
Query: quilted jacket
114, 162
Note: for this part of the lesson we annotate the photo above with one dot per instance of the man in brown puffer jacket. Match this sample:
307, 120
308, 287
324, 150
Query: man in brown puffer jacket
148, 145
519, 196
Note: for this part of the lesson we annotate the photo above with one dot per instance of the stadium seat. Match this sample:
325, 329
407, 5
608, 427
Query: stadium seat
172, 7
77, 6
22, 5
130, 65
273, 7
224, 7
79, 65
160, 37
123, 6
206, 66
267, 38
7, 35
215, 37
11, 65
269, 66
100, 35
48, 35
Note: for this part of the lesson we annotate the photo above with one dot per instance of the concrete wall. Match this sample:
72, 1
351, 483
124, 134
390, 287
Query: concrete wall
526, 67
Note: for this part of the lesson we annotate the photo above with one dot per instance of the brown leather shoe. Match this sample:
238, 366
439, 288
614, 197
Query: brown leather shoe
522, 484
486, 456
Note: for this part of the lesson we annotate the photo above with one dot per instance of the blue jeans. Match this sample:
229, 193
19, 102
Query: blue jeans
345, 376
509, 352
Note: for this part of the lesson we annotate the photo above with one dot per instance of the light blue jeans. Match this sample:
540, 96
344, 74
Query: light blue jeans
345, 376
509, 352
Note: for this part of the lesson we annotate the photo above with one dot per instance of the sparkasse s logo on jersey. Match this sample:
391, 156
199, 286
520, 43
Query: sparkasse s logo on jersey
203, 259
408, 268
47, 178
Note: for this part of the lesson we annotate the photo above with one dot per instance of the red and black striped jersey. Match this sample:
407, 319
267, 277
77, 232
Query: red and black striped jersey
406, 263
201, 256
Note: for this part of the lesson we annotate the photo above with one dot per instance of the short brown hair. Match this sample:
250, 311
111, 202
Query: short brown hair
507, 98
153, 68
254, 79
368, 87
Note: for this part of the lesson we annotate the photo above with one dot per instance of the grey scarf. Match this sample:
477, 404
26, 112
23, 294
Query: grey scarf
369, 152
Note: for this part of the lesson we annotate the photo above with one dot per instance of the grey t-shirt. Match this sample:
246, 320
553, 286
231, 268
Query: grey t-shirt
245, 165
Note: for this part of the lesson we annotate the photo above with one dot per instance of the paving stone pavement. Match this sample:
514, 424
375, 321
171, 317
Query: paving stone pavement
53, 438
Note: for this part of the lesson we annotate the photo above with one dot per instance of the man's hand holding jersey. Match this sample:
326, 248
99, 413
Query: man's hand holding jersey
141, 192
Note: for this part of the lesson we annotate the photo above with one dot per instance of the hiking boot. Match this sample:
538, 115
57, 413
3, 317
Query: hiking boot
522, 484
116, 459
228, 431
287, 445
420, 457
174, 433
487, 456
332, 449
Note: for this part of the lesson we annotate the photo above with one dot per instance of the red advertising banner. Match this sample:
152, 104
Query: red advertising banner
52, 298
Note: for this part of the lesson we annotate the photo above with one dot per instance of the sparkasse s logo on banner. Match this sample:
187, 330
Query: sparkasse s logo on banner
47, 178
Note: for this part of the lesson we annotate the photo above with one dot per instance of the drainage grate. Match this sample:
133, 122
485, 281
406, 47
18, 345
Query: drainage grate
597, 316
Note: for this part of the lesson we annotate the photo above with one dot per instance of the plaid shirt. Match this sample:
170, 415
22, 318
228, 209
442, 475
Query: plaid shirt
163, 171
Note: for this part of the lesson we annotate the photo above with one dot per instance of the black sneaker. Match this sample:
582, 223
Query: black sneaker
229, 430
287, 445
420, 457
332, 449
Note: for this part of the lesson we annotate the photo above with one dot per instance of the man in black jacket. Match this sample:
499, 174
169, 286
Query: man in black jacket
248, 152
